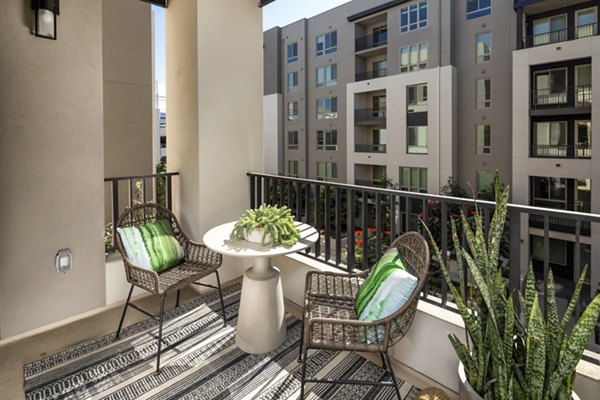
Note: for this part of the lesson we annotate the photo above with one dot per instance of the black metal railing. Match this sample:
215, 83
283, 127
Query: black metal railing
370, 148
376, 73
561, 97
371, 41
560, 35
126, 191
358, 222
370, 115
561, 151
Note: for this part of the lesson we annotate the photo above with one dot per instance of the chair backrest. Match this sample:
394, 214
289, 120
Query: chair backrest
415, 253
146, 213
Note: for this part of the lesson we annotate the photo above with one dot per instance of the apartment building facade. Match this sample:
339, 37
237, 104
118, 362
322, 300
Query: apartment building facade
339, 89
556, 74
422, 90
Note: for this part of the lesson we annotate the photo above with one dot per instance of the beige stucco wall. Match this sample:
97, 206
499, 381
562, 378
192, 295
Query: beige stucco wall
214, 94
51, 146
128, 112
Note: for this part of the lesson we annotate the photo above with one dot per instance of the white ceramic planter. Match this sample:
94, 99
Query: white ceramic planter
255, 236
466, 392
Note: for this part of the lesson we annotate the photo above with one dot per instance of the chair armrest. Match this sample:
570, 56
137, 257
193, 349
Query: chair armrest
333, 284
141, 277
343, 334
197, 253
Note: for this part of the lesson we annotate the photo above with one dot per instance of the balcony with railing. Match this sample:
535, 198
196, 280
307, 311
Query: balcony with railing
560, 35
561, 151
370, 148
370, 116
374, 41
561, 97
376, 73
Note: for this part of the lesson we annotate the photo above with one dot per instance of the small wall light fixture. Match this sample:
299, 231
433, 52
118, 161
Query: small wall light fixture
45, 12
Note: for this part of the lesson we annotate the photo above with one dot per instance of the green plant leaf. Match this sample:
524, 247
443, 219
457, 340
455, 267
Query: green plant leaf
571, 307
553, 344
573, 346
536, 354
498, 222
530, 292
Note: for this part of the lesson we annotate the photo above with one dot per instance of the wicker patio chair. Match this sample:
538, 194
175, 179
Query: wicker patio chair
198, 262
330, 320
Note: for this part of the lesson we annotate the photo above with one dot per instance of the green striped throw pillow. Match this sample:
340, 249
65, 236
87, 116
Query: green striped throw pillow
152, 246
386, 290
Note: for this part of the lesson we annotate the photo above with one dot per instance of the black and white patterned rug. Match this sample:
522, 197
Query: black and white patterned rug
200, 361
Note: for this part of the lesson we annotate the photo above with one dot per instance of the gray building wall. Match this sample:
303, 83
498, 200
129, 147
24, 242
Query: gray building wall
502, 24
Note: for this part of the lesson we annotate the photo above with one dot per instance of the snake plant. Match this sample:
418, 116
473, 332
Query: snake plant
509, 354
276, 223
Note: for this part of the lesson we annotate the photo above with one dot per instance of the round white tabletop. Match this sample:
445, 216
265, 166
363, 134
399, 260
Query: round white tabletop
261, 321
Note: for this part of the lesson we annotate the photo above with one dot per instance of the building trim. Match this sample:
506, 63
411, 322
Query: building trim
375, 10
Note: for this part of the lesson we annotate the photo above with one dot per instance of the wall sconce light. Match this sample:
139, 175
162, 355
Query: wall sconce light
45, 12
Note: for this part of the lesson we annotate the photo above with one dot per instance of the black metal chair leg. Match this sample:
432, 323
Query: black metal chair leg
304, 361
124, 311
391, 371
160, 328
221, 296
301, 341
177, 302
383, 363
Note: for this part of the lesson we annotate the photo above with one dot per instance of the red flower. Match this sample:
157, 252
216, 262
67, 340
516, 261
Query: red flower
473, 212
420, 214
358, 232
387, 232
372, 230
359, 242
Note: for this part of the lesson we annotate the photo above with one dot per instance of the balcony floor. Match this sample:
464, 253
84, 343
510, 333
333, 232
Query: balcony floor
14, 354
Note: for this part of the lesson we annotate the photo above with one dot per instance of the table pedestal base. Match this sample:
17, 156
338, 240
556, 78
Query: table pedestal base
261, 321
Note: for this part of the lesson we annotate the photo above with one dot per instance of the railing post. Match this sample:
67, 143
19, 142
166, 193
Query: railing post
169, 192
514, 277
115, 208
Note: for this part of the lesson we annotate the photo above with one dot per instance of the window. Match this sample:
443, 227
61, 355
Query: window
293, 140
292, 52
549, 139
550, 86
549, 192
327, 108
583, 138
379, 68
417, 98
484, 93
293, 111
550, 30
326, 171
478, 8
292, 168
583, 195
585, 22
484, 47
379, 140
413, 58
327, 76
417, 140
583, 84
484, 181
413, 179
327, 140
483, 139
327, 43
379, 106
557, 250
413, 16
379, 35
292, 82
379, 174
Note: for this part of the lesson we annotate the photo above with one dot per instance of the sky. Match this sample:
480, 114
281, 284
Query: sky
278, 13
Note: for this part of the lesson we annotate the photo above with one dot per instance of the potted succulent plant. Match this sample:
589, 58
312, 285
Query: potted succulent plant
267, 225
511, 354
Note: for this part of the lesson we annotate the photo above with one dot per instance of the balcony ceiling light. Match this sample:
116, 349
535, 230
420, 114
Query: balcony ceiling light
45, 12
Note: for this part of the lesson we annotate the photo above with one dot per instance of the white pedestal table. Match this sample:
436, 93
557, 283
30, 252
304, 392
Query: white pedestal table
261, 321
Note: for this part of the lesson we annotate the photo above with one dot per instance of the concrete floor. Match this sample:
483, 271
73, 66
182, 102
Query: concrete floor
14, 353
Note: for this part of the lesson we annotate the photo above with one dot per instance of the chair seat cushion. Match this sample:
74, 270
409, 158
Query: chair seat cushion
152, 246
386, 290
